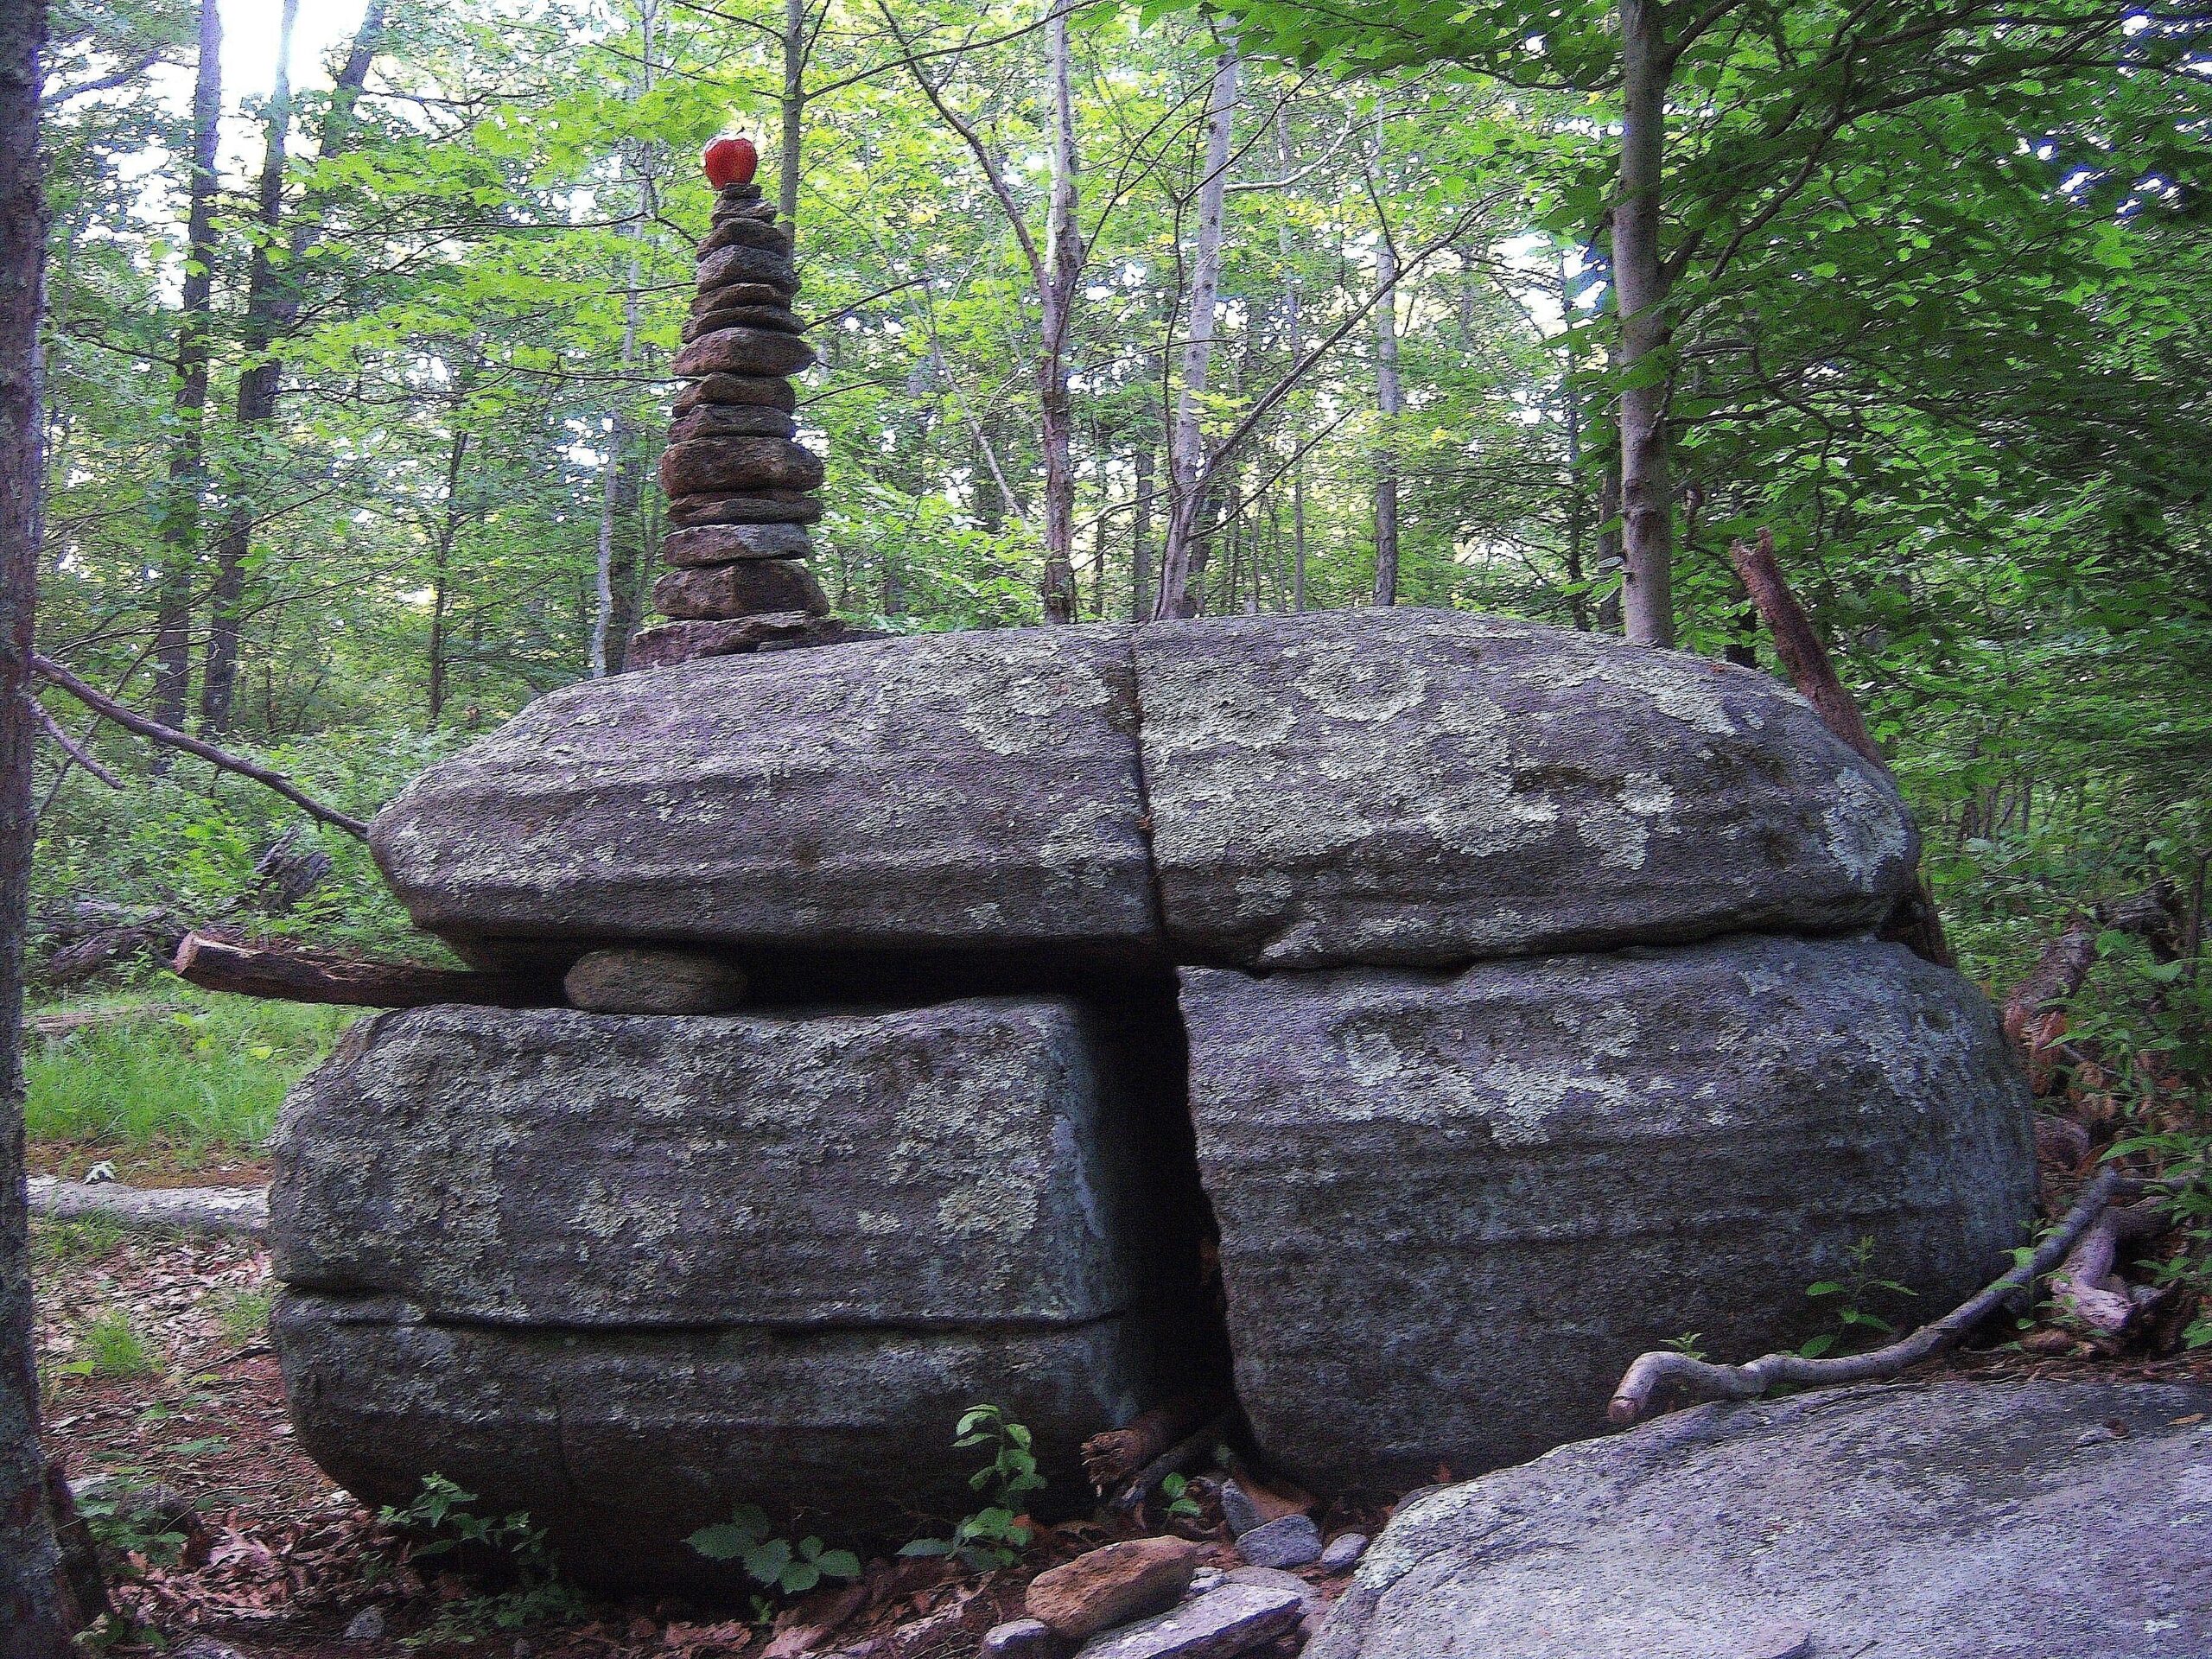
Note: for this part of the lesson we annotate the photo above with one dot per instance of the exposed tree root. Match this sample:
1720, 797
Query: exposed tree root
1703, 1379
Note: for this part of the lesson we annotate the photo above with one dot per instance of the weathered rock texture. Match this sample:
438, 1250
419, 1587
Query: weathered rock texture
1424, 787
1454, 1209
974, 791
1954, 1520
627, 1271
625, 1442
1421, 787
971, 1164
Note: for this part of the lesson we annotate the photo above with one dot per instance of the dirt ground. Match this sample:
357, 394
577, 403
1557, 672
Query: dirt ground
278, 1562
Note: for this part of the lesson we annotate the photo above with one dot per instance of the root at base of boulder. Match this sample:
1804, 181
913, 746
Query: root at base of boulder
1703, 1379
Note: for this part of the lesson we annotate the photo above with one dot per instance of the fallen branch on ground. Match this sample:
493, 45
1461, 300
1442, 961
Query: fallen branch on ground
1915, 923
2033, 1016
1113, 1458
1177, 1458
1652, 1371
2085, 1287
291, 973
131, 721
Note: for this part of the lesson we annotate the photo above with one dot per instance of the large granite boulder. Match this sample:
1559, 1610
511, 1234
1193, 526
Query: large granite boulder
623, 1443
1946, 1521
626, 1271
1454, 1209
1425, 787
975, 1163
974, 791
1379, 787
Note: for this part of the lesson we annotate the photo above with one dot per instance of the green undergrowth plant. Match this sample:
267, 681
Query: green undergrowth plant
441, 1523
109, 1346
999, 1533
1847, 1300
82, 1239
782, 1569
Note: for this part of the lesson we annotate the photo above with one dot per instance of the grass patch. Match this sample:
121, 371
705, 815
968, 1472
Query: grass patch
85, 1238
243, 1315
203, 1076
108, 1344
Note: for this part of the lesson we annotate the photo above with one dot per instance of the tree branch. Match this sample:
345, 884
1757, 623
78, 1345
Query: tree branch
46, 668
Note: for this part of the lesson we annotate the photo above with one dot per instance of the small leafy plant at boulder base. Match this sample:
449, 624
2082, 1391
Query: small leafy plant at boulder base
1180, 1504
440, 1518
1848, 1296
774, 1563
995, 1535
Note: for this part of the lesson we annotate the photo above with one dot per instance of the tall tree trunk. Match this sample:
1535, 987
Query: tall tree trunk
441, 569
1577, 505
793, 111
1057, 291
187, 475
256, 394
1647, 526
36, 1620
1140, 539
1293, 293
1186, 445
610, 629
1389, 402
272, 309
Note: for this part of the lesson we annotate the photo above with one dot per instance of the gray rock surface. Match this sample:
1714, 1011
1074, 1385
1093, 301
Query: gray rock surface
1453, 1208
747, 588
1424, 787
1344, 1552
625, 1442
719, 543
743, 351
969, 1163
978, 791
1236, 1618
1408, 787
1948, 1520
1286, 1541
1024, 1638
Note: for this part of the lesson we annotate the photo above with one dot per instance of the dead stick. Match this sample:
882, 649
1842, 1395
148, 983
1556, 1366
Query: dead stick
131, 721
2085, 1287
290, 974
1651, 1371
1172, 1461
1920, 927
69, 746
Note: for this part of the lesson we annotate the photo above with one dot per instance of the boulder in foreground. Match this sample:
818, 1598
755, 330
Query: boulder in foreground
1453, 1209
1946, 1521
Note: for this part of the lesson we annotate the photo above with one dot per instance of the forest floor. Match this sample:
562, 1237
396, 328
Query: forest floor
161, 1385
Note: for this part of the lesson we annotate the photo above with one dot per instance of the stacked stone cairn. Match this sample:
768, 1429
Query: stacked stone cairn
740, 488
1393, 1020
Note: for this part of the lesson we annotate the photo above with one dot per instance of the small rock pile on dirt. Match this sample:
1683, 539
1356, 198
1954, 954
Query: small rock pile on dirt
741, 486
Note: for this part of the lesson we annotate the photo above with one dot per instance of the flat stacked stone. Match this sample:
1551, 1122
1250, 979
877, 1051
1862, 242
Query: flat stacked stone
740, 487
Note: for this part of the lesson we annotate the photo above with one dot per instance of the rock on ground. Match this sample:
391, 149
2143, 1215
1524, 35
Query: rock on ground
1454, 1209
1233, 1619
625, 1442
1111, 1585
972, 1163
1948, 1520
1410, 786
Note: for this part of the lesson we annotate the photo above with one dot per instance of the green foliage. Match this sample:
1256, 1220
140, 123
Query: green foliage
123, 1511
1845, 1299
997, 1534
188, 1083
776, 1564
91, 1237
441, 1523
243, 1315
109, 1346
1180, 1504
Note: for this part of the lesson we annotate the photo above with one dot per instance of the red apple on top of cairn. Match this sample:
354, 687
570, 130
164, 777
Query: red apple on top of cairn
730, 160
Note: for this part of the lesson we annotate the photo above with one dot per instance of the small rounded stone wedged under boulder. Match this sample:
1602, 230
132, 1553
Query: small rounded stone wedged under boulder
1949, 1520
654, 982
